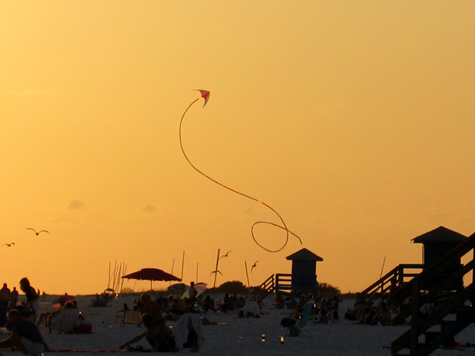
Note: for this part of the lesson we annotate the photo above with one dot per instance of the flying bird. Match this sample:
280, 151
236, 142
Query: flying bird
9, 245
37, 232
217, 271
254, 265
226, 254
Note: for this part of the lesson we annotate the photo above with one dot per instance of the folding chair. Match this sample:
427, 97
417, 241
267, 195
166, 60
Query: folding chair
305, 315
132, 317
294, 330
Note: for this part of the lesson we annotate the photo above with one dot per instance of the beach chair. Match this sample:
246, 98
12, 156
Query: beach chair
294, 330
132, 317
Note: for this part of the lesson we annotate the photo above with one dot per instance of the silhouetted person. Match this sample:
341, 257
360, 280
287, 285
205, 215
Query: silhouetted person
32, 298
25, 335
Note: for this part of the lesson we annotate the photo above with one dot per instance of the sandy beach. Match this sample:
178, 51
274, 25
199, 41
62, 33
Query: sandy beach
236, 336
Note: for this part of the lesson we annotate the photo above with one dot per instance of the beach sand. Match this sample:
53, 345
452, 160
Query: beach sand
235, 336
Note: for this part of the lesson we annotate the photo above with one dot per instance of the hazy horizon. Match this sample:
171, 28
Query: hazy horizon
353, 120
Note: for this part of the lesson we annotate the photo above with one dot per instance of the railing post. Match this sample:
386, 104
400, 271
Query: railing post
472, 292
415, 317
400, 276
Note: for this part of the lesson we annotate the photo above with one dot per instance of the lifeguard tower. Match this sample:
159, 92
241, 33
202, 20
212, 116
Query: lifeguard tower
448, 257
436, 244
304, 271
303, 277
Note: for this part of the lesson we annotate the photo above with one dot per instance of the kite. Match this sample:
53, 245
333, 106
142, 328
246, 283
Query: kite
205, 95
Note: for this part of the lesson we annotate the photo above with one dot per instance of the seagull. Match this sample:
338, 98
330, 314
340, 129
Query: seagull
217, 271
37, 232
254, 265
227, 254
9, 245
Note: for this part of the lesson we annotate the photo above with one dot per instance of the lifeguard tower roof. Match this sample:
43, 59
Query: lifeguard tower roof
304, 255
440, 235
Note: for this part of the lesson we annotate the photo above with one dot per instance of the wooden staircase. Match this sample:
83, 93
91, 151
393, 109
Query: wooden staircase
454, 309
280, 282
401, 274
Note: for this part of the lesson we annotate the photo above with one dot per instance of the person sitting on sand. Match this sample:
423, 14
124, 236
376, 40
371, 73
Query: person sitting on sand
47, 315
66, 321
158, 335
384, 315
25, 335
179, 307
227, 304
208, 304
147, 306
279, 301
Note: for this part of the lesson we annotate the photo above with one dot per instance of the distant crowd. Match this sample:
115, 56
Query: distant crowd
154, 313
20, 319
9, 300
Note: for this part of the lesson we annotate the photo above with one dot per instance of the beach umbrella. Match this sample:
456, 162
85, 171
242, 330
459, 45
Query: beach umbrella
177, 288
151, 274
200, 289
61, 300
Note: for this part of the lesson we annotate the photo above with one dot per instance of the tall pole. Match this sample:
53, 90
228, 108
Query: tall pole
114, 274
182, 265
247, 274
216, 269
173, 265
109, 279
196, 279
123, 274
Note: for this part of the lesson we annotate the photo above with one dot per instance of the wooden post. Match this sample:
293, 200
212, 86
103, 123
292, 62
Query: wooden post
247, 274
173, 265
216, 270
109, 280
196, 279
472, 294
182, 265
122, 280
415, 317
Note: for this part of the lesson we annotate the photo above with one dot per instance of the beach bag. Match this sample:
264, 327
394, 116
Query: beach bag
287, 322
83, 329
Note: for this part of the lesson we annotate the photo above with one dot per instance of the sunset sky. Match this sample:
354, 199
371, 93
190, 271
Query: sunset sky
354, 120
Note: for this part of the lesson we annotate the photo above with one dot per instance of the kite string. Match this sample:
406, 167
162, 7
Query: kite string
283, 226
199, 171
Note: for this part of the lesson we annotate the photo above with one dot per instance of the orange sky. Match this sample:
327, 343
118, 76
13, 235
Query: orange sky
354, 120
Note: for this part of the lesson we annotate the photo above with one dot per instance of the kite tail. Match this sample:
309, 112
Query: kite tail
283, 226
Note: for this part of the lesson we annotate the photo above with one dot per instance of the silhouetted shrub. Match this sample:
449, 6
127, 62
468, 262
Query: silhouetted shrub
326, 290
233, 287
